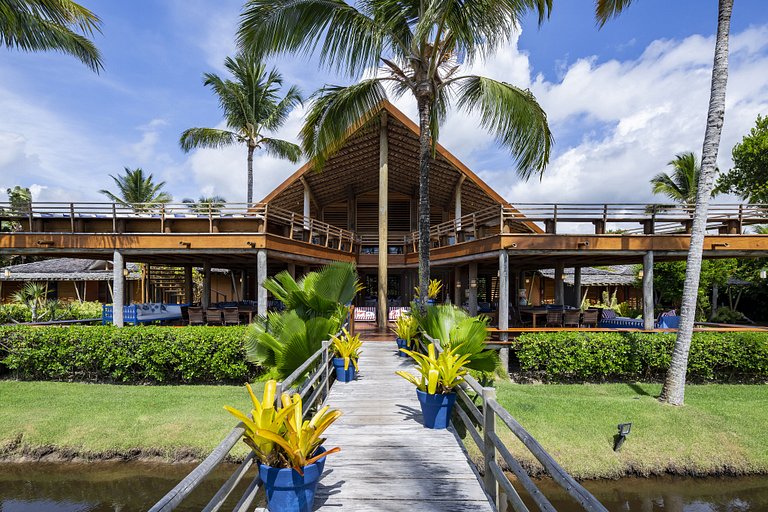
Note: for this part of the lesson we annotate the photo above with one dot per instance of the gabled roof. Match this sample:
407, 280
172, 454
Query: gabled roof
615, 275
353, 170
64, 269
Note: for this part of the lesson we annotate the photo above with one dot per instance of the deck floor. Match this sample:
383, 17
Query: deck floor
389, 461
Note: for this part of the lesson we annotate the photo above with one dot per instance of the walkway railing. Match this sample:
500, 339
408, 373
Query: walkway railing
481, 422
589, 218
316, 386
150, 218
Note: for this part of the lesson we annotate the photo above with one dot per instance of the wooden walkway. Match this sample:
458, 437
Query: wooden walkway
389, 461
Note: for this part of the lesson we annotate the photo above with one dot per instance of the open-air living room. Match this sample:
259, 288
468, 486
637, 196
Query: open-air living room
383, 256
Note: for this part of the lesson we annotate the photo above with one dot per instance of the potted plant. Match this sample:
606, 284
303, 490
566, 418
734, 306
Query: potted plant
434, 386
346, 349
405, 329
289, 449
433, 290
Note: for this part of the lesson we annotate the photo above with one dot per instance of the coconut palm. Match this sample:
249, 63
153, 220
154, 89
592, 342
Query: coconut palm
673, 391
33, 296
682, 184
421, 47
212, 204
252, 107
135, 189
45, 25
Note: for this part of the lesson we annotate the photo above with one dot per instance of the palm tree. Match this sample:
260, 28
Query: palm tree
421, 46
33, 296
212, 204
137, 190
673, 391
682, 185
59, 25
252, 107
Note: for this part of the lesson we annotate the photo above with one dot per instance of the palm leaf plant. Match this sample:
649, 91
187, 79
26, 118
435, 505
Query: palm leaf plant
206, 205
419, 49
433, 289
137, 190
406, 328
57, 25
33, 296
252, 108
282, 438
347, 347
438, 374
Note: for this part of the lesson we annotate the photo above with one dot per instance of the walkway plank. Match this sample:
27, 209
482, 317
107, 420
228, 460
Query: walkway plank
388, 460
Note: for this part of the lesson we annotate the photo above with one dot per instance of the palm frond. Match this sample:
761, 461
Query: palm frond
281, 149
514, 116
60, 25
606, 10
335, 110
283, 108
344, 37
207, 138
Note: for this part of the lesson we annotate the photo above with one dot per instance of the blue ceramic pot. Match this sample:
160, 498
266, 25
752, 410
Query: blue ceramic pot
436, 409
431, 302
343, 375
401, 343
287, 490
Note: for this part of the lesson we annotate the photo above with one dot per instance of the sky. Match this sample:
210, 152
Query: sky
621, 101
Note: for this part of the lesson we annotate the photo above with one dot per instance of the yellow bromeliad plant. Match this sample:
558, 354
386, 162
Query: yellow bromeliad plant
406, 328
433, 288
347, 347
282, 438
437, 374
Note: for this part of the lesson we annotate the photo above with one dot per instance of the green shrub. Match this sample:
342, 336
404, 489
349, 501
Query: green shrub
150, 354
15, 313
716, 356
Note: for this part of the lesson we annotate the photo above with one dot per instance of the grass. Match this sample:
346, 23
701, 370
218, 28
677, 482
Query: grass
720, 430
97, 420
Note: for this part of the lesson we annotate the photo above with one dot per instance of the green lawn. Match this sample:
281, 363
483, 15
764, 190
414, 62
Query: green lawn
722, 428
172, 421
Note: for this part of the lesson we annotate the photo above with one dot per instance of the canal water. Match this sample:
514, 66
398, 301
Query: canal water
135, 486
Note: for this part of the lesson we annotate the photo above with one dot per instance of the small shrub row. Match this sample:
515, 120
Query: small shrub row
720, 356
10, 313
147, 354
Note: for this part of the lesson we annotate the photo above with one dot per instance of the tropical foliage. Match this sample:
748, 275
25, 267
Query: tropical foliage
282, 438
33, 296
437, 374
206, 205
50, 25
433, 289
682, 184
347, 347
749, 176
316, 307
252, 107
19, 201
406, 328
137, 190
421, 48
460, 332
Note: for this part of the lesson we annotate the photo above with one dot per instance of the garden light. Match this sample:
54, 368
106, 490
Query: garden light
618, 439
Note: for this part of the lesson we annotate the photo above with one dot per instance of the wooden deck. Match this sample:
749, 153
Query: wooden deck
389, 461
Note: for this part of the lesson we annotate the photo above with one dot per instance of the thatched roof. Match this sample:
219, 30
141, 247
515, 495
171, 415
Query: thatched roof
65, 269
616, 275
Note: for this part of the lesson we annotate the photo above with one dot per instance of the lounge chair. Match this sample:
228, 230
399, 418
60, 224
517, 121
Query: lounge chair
213, 317
231, 316
196, 316
571, 318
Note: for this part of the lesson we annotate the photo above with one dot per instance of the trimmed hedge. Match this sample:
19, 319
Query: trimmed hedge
720, 356
146, 354
10, 313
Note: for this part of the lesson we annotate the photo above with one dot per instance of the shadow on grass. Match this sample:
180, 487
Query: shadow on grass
638, 389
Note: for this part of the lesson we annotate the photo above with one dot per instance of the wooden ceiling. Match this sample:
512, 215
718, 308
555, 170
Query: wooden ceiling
354, 170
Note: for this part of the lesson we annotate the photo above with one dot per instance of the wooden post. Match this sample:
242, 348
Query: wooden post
489, 449
473, 289
243, 284
188, 284
292, 270
648, 317
504, 305
458, 289
326, 372
261, 276
205, 300
559, 284
577, 286
307, 207
118, 288
715, 292
382, 309
457, 205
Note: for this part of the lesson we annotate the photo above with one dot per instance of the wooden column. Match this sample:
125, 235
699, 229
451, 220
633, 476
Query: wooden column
559, 285
504, 305
307, 206
577, 285
205, 300
261, 276
473, 289
292, 270
118, 288
381, 315
648, 316
188, 284
457, 205
458, 294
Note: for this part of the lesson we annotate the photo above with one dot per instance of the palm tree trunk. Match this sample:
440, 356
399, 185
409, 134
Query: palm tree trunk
425, 153
250, 174
674, 385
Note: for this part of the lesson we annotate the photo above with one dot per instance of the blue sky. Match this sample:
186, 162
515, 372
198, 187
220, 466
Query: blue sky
621, 100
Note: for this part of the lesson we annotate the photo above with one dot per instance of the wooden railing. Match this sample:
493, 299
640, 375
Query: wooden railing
316, 386
159, 218
480, 423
